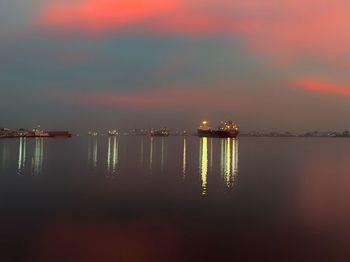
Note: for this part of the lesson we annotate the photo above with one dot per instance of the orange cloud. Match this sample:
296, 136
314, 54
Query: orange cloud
324, 86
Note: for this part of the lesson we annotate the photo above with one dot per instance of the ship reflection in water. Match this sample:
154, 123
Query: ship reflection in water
163, 155
151, 154
204, 163
38, 156
184, 160
92, 151
291, 197
228, 162
158, 154
112, 156
22, 155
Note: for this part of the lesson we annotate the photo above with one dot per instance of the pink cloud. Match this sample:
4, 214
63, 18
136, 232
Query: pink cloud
162, 16
323, 86
101, 15
313, 27
170, 98
287, 27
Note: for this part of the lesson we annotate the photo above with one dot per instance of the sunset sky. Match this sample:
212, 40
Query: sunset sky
99, 64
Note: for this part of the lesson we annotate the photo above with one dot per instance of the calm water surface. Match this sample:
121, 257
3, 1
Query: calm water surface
177, 159
175, 199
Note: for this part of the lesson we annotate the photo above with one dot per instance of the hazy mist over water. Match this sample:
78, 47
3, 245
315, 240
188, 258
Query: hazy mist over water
174, 199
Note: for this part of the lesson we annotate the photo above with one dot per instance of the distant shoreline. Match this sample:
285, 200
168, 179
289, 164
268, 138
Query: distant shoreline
240, 136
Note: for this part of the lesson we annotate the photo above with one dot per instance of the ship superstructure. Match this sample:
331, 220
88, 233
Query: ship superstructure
225, 129
37, 132
164, 132
113, 133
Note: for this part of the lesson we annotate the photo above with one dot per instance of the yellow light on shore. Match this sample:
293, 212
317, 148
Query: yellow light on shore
205, 122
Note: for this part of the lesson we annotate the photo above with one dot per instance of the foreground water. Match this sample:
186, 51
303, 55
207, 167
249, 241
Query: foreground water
174, 199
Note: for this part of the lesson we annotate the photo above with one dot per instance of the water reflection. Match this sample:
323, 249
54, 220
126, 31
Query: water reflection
158, 154
211, 154
204, 163
141, 153
151, 154
37, 159
22, 155
112, 155
216, 164
229, 161
92, 151
4, 156
222, 157
163, 154
184, 160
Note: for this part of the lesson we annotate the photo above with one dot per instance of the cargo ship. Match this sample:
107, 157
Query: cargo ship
63, 134
113, 133
227, 129
36, 132
164, 132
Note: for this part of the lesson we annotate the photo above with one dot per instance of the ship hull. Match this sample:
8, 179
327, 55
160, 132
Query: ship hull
159, 135
52, 134
42, 134
217, 133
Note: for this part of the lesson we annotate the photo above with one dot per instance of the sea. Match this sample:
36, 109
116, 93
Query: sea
178, 198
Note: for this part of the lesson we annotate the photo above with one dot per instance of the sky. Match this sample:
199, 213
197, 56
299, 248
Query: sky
101, 64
